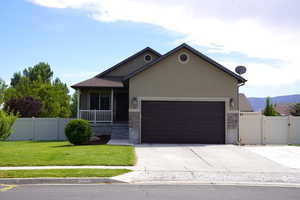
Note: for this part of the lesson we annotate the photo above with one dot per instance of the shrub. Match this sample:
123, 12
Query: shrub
25, 107
78, 131
6, 123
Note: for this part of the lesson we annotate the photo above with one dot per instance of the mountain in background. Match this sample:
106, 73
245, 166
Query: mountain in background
259, 103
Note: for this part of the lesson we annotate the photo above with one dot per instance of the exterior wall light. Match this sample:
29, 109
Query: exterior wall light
231, 102
134, 102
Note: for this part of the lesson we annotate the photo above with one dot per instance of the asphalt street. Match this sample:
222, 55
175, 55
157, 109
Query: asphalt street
157, 192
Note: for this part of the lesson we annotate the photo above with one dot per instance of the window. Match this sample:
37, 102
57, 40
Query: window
94, 101
105, 102
147, 58
183, 58
99, 101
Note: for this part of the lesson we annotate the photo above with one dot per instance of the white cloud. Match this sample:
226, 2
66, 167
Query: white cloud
266, 32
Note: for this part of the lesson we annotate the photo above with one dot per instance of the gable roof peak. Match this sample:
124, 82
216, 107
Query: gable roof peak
128, 59
194, 51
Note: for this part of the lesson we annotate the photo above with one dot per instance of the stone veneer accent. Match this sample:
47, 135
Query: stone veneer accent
232, 128
134, 127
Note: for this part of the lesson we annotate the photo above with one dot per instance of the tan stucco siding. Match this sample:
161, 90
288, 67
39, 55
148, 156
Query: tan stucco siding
131, 66
197, 79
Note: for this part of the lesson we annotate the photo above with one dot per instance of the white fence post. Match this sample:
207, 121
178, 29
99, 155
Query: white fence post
263, 130
289, 131
33, 128
57, 123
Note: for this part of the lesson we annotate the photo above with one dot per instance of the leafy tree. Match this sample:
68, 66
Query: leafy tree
6, 123
15, 79
3, 87
25, 107
269, 109
296, 109
42, 71
74, 102
37, 82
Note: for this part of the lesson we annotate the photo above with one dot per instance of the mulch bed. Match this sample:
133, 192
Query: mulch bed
103, 139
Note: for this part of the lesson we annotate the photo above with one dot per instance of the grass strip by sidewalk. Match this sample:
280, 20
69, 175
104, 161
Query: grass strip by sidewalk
29, 153
62, 173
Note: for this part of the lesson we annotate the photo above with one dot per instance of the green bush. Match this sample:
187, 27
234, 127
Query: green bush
78, 131
6, 123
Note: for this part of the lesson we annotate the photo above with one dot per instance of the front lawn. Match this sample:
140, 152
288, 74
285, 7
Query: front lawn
28, 153
62, 173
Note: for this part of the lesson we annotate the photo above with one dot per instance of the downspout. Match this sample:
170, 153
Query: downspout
238, 105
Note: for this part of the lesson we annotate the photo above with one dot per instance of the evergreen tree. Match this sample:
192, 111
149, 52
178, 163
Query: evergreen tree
269, 109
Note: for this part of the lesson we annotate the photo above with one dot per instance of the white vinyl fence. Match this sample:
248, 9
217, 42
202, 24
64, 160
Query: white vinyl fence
39, 129
258, 129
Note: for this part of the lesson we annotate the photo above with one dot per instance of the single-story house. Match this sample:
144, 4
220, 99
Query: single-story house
182, 96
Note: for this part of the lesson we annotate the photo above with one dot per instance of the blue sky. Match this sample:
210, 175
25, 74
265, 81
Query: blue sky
81, 38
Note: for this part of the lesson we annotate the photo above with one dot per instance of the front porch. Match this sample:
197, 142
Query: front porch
103, 105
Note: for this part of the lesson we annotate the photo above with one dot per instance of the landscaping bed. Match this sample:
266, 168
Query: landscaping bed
29, 153
61, 173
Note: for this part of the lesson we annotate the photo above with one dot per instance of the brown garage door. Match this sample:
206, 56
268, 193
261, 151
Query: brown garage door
183, 122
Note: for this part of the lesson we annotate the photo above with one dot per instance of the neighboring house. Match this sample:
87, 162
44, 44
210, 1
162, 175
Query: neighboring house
244, 103
179, 97
283, 109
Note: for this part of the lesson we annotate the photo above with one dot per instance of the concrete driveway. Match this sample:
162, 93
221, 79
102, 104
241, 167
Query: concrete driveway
207, 163
202, 158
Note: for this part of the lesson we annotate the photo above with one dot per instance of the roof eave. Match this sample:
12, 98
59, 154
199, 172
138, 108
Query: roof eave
80, 87
209, 60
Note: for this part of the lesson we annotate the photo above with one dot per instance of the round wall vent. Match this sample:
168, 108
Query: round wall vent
148, 58
183, 58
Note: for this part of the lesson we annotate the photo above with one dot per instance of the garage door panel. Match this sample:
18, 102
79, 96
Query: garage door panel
183, 122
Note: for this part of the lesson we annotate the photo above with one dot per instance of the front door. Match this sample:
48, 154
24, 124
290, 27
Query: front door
122, 104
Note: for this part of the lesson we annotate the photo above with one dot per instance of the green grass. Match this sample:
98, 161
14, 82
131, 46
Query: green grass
28, 153
62, 173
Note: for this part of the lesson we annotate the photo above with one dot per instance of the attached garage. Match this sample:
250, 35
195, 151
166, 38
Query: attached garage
201, 122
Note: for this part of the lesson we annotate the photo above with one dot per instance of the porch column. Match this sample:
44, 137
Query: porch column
112, 104
78, 104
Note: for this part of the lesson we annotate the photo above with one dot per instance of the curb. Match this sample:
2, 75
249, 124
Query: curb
241, 184
59, 181
81, 181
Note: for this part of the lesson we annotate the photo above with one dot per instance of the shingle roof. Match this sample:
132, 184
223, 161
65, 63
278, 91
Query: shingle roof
209, 60
98, 82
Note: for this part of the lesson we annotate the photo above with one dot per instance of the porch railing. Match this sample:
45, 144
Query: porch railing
96, 115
